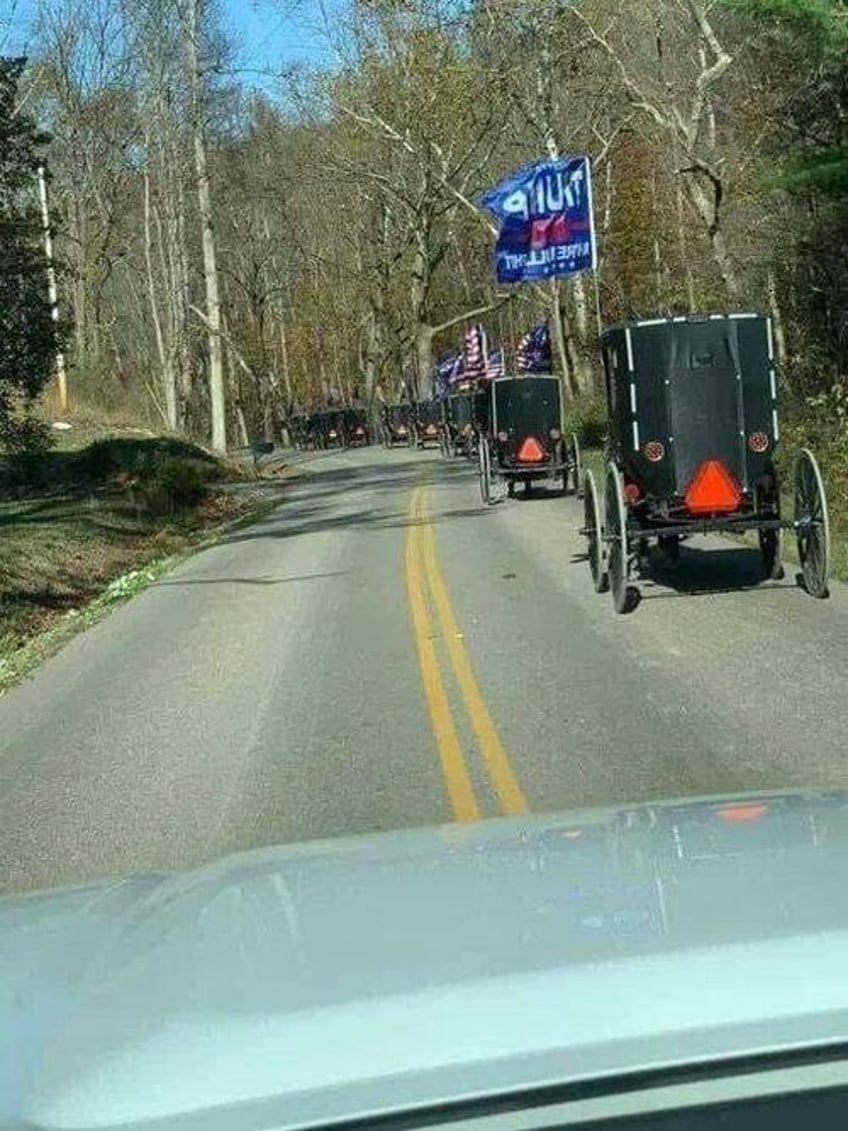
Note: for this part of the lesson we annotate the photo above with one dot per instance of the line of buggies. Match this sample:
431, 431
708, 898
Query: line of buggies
513, 427
330, 428
411, 424
693, 433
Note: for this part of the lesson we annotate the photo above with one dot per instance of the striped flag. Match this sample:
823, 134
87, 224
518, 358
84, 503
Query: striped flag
474, 353
495, 365
533, 354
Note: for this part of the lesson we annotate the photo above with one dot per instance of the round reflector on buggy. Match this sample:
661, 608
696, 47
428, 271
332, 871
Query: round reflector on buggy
654, 451
632, 492
758, 442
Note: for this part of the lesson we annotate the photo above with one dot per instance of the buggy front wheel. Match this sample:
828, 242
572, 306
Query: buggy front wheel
768, 507
812, 525
616, 536
594, 531
484, 470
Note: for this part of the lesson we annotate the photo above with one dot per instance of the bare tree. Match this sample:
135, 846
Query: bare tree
193, 13
681, 108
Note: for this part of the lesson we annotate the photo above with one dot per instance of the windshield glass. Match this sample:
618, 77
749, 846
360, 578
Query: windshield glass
423, 546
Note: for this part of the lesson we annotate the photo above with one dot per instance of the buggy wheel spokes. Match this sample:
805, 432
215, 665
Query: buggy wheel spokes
577, 476
594, 531
812, 524
616, 537
484, 470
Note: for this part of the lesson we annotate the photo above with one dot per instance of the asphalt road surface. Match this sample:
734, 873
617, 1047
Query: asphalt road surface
382, 651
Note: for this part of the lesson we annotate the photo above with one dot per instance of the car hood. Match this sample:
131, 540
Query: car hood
298, 985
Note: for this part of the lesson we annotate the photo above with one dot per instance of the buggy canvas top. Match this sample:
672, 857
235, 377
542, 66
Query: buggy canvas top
684, 393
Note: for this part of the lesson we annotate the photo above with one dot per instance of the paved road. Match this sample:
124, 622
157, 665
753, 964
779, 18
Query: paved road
382, 651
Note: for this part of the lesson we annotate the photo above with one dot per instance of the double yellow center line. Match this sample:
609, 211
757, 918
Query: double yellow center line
422, 575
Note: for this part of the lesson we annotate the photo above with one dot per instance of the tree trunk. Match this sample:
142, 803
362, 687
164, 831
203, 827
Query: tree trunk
776, 320
704, 207
210, 264
424, 361
169, 384
372, 355
284, 364
563, 342
683, 248
581, 310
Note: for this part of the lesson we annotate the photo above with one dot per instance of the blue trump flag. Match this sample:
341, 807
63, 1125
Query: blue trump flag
547, 226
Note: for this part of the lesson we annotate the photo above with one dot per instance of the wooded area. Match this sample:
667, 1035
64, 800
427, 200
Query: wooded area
227, 256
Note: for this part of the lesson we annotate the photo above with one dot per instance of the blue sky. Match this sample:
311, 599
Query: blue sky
270, 34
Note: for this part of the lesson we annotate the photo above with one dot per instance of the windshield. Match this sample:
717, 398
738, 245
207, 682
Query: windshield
423, 538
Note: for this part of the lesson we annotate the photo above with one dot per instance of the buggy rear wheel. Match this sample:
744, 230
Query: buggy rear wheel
484, 470
594, 531
616, 537
576, 471
812, 525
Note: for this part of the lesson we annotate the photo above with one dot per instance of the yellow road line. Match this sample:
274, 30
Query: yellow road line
503, 779
454, 770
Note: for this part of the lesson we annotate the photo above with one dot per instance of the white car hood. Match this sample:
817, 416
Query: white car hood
299, 985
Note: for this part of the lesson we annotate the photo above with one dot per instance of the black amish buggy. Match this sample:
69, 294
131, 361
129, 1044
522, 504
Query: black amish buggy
396, 425
328, 428
334, 429
298, 430
458, 432
355, 426
693, 431
427, 423
521, 436
313, 431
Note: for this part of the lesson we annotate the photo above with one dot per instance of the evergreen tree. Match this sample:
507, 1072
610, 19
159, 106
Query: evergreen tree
27, 333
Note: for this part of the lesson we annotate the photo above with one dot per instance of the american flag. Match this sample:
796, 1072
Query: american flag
474, 359
533, 354
494, 365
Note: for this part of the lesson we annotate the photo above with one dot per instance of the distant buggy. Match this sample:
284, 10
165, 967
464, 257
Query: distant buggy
520, 437
693, 431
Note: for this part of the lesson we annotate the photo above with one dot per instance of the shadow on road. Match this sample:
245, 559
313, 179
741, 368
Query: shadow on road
706, 572
313, 500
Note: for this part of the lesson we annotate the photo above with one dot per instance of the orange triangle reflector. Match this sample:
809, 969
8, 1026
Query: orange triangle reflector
745, 812
713, 489
531, 451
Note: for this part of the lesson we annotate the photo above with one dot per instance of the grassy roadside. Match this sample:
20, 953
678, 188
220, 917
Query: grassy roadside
82, 530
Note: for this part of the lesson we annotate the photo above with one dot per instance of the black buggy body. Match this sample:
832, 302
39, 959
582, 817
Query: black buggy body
427, 423
356, 431
458, 433
685, 395
396, 424
522, 438
693, 432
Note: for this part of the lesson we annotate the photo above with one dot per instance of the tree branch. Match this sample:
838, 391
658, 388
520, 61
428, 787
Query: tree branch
496, 304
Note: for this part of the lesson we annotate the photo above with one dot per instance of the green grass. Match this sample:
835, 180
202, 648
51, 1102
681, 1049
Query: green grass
84, 529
